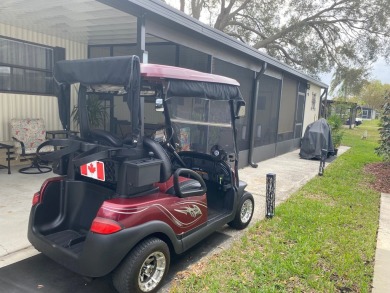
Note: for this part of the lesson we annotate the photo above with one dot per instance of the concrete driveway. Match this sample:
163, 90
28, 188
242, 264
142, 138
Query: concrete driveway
18, 258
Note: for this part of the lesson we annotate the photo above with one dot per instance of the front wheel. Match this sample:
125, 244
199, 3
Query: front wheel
244, 212
144, 269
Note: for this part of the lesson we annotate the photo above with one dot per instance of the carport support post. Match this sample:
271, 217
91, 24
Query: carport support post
141, 39
270, 196
324, 154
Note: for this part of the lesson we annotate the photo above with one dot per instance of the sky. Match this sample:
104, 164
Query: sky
380, 71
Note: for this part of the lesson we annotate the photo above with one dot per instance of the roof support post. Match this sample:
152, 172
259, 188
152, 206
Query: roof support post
255, 97
141, 39
210, 62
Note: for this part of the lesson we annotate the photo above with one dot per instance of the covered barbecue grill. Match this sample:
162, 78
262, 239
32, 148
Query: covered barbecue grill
317, 136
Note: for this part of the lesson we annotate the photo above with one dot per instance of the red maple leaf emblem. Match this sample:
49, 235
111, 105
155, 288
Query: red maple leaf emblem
91, 168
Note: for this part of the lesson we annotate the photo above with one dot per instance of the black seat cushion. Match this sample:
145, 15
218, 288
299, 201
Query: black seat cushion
185, 186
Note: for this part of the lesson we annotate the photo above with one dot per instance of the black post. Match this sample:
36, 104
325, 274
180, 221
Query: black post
270, 196
324, 155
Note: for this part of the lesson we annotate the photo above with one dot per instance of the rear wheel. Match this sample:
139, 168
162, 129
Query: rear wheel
244, 212
144, 269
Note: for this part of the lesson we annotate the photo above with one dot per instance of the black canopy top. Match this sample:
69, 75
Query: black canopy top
121, 70
108, 70
207, 90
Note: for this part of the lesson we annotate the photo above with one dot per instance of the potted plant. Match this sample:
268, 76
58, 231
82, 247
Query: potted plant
97, 112
335, 122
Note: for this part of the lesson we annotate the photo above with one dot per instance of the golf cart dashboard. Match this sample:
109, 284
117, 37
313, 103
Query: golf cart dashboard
210, 168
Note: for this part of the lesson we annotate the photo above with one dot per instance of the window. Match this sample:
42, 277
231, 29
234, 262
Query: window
25, 67
313, 101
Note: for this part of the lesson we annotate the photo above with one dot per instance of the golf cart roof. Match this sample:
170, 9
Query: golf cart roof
119, 71
171, 72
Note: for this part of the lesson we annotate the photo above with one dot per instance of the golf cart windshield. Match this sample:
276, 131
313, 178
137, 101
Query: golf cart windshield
201, 123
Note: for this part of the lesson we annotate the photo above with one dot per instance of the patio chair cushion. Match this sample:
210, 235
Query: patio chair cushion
31, 132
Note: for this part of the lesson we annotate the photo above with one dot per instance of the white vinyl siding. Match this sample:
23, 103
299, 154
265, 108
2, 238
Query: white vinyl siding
35, 106
312, 106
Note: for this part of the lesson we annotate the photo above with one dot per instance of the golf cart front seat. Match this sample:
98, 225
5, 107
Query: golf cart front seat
182, 186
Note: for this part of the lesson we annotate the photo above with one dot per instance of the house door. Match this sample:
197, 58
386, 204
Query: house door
299, 114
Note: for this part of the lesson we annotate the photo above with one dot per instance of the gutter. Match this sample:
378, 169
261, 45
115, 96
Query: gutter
253, 115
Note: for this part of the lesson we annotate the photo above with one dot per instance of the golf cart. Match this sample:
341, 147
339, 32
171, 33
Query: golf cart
125, 200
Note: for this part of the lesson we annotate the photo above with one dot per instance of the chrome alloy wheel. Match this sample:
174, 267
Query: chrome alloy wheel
246, 211
152, 271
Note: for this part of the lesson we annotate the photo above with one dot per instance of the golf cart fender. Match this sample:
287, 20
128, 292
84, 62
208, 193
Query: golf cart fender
241, 188
103, 253
112, 248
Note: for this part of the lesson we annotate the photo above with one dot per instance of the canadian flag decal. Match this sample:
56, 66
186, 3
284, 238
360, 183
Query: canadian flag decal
93, 170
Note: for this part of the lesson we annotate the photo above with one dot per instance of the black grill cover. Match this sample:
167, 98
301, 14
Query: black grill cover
317, 136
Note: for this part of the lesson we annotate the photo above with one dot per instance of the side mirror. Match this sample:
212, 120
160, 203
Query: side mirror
239, 109
159, 105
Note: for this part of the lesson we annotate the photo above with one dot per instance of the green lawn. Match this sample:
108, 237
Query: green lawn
322, 239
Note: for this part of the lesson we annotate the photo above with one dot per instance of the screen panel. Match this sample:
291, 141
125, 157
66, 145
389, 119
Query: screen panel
267, 114
246, 78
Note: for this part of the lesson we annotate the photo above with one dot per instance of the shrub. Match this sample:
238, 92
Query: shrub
335, 122
97, 112
384, 148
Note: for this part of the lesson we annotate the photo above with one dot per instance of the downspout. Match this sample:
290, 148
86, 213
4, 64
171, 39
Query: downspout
253, 116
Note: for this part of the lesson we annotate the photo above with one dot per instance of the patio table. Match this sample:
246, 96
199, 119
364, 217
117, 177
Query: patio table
8, 148
53, 133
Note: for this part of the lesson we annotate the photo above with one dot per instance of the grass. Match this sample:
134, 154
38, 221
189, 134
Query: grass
322, 239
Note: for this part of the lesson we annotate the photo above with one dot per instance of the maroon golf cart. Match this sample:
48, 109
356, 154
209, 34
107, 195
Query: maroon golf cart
158, 178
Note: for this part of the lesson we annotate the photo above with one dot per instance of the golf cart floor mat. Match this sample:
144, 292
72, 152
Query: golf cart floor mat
68, 239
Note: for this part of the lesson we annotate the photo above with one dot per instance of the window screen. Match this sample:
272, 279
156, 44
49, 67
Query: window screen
287, 109
25, 67
99, 51
192, 59
124, 50
245, 77
162, 54
267, 115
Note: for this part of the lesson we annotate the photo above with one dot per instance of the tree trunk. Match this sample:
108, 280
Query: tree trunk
196, 8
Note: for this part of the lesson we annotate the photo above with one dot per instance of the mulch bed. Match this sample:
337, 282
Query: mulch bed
381, 171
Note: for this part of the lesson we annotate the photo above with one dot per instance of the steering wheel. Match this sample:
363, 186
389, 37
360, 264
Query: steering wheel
218, 152
167, 139
167, 145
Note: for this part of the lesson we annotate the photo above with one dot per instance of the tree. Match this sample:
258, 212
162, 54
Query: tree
373, 94
348, 82
384, 147
311, 35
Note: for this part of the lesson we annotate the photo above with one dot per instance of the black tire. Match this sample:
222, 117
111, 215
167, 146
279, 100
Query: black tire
132, 274
244, 212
